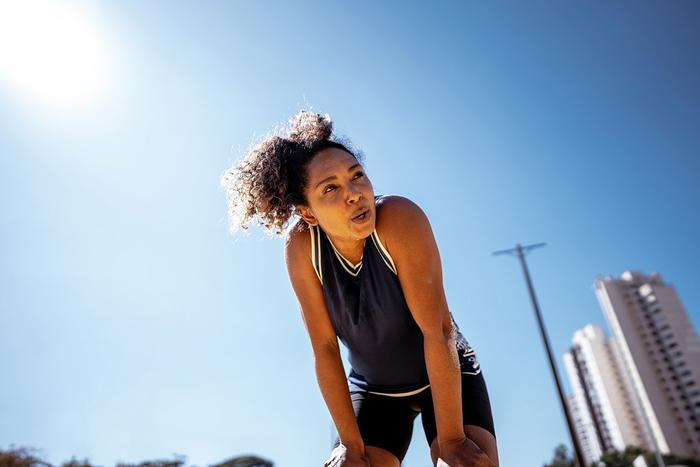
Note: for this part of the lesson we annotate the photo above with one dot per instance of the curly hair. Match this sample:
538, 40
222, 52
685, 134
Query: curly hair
271, 179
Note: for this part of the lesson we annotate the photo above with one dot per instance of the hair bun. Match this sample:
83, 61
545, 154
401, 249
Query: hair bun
308, 128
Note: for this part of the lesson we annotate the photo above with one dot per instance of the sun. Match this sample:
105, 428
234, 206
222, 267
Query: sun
52, 52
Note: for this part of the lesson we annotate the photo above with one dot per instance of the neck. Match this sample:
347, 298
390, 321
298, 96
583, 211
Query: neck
350, 249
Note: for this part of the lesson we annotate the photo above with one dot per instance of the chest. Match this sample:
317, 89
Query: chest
364, 300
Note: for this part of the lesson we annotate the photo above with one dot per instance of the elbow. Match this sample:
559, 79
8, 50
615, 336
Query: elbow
327, 359
326, 348
443, 332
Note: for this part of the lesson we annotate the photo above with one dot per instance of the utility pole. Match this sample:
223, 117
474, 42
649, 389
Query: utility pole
520, 252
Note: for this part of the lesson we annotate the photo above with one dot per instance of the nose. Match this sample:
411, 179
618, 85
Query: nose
354, 194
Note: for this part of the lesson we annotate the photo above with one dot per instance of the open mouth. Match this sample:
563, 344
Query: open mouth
364, 215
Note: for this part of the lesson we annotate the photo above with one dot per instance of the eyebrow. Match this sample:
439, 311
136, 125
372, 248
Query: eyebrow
333, 177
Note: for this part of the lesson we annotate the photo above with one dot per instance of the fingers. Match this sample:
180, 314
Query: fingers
485, 461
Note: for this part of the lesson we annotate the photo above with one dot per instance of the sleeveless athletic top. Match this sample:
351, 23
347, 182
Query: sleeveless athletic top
371, 318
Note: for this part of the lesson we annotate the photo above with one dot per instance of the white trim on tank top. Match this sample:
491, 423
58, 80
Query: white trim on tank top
316, 257
352, 269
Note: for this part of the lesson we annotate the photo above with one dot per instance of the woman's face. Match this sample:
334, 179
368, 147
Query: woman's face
339, 195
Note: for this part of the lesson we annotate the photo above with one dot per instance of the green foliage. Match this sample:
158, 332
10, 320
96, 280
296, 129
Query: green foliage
673, 459
621, 459
627, 457
21, 457
177, 462
561, 458
77, 463
624, 458
245, 461
29, 457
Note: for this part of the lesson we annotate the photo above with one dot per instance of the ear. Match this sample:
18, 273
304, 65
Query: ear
307, 214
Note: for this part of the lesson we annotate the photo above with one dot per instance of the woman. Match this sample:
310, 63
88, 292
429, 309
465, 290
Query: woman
366, 270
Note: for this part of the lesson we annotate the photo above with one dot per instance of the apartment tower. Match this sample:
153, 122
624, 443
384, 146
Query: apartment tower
659, 355
606, 414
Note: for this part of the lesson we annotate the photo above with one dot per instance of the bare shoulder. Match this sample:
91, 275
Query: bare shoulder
296, 234
297, 245
398, 216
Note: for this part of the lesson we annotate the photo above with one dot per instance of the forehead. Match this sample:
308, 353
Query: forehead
328, 162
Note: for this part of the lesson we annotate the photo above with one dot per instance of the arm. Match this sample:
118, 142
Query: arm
409, 239
324, 342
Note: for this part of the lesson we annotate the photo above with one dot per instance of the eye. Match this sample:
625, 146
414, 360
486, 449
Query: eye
358, 175
328, 189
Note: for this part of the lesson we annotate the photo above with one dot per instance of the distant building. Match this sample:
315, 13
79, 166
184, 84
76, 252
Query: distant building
606, 417
659, 356
584, 427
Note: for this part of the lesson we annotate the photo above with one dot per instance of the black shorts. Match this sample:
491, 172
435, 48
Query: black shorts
387, 422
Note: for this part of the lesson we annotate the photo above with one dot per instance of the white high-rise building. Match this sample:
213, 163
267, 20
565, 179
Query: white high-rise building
660, 353
607, 417
584, 427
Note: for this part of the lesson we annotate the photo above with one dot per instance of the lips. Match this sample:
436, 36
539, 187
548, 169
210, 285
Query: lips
359, 213
361, 216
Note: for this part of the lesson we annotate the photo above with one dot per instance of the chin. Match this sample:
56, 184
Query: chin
366, 230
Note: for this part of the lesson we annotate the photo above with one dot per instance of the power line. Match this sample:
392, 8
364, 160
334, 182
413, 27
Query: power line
520, 252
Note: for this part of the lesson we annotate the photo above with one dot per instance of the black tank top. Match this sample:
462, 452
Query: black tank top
371, 318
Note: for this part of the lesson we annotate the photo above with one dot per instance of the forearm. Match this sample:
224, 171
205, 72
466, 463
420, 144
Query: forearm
333, 385
444, 374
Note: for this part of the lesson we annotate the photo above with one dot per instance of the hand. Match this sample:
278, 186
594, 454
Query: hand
462, 453
344, 457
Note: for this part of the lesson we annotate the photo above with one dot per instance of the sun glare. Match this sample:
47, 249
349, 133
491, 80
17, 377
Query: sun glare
52, 52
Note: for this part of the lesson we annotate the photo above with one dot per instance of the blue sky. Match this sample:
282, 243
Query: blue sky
134, 326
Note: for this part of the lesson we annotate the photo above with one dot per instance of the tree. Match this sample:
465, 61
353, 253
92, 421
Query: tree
245, 461
29, 457
177, 462
561, 458
77, 463
624, 458
672, 459
627, 457
21, 457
